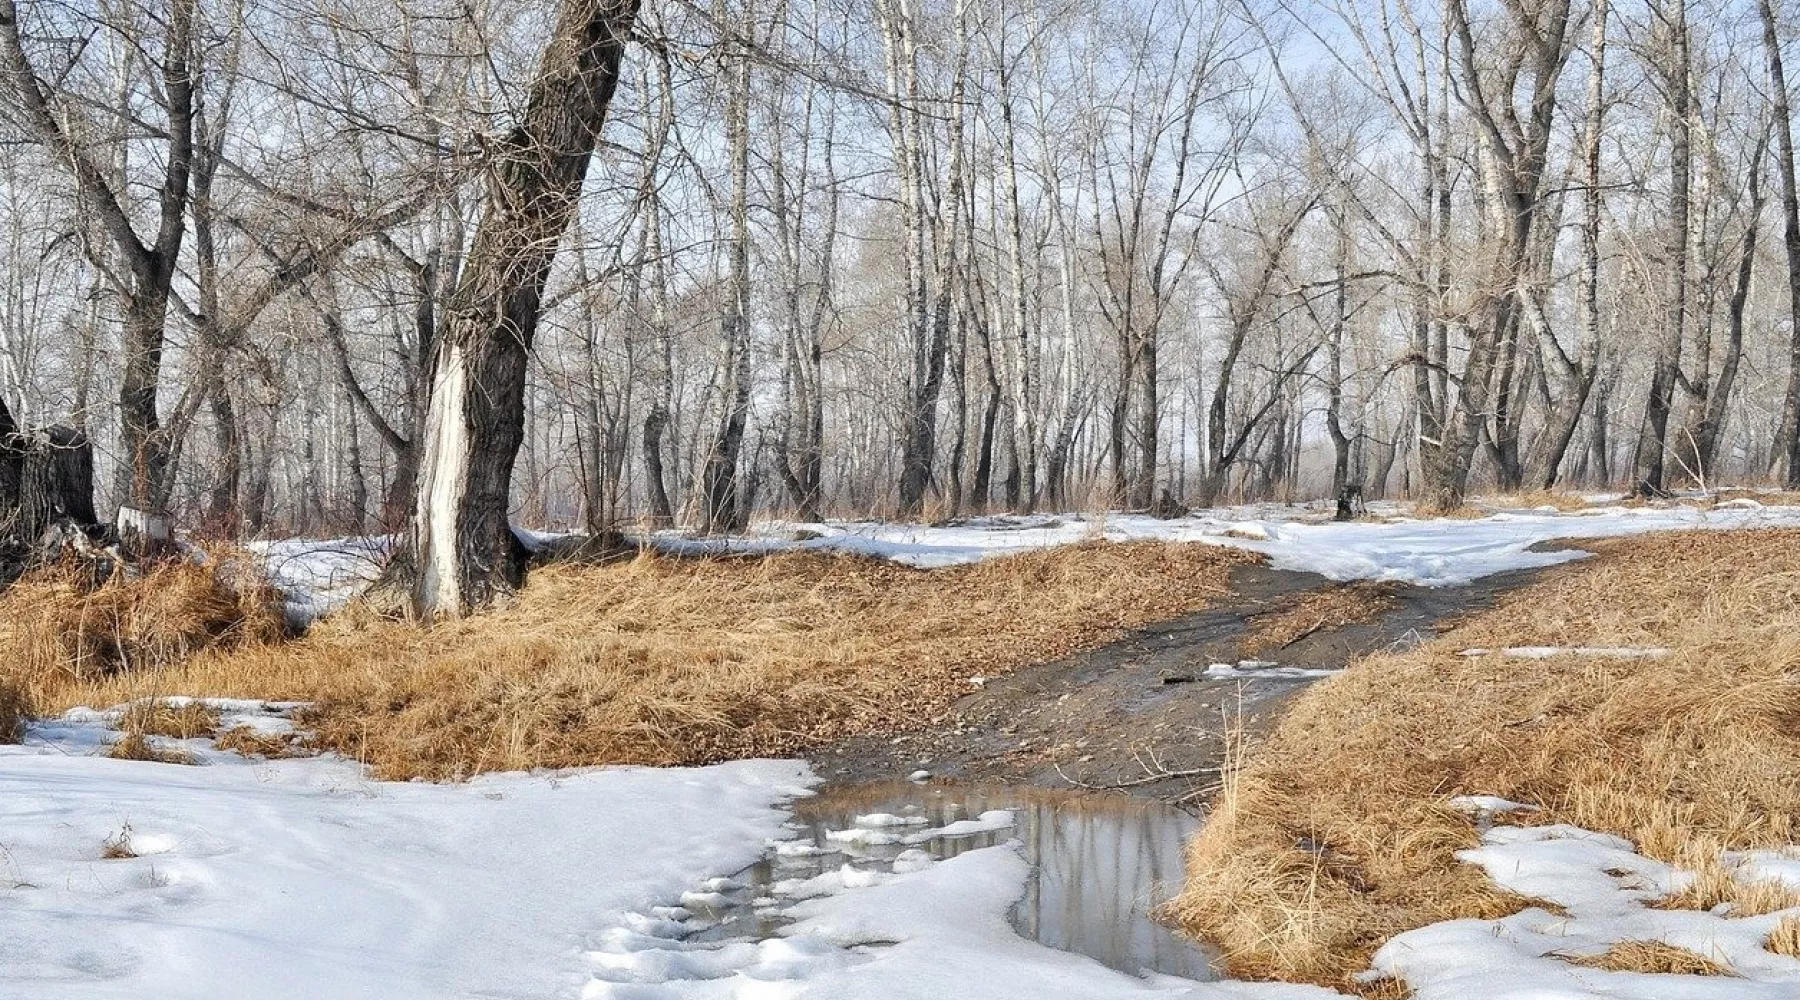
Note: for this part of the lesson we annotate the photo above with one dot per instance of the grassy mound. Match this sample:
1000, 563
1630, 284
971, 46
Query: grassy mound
1339, 835
59, 626
675, 661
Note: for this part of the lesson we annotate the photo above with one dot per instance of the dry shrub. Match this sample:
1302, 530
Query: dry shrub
1785, 938
118, 846
1337, 835
57, 624
1655, 957
1325, 609
184, 721
659, 660
15, 711
134, 746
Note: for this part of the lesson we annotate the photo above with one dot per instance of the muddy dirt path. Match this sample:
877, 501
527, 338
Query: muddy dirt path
1144, 714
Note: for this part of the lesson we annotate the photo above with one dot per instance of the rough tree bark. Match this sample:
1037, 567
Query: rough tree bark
149, 270
1516, 148
461, 553
1647, 477
1787, 441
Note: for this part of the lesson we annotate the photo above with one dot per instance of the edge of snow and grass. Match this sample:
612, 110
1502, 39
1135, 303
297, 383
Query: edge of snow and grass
1649, 720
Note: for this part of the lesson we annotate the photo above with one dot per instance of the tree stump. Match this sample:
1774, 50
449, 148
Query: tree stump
144, 534
46, 495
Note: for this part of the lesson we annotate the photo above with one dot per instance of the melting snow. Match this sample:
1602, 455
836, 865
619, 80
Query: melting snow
1602, 885
302, 879
1428, 552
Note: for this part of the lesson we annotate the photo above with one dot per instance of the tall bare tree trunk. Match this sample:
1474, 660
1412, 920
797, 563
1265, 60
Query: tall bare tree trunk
149, 267
463, 553
1652, 443
1787, 440
719, 486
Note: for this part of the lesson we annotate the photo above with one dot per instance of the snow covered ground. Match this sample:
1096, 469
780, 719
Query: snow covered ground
1431, 552
301, 879
304, 879
1602, 884
321, 575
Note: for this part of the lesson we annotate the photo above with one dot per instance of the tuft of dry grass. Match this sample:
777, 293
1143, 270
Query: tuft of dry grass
1325, 609
251, 742
134, 746
659, 660
156, 717
1337, 835
1785, 938
1383, 988
118, 846
1715, 885
59, 625
1654, 957
1531, 500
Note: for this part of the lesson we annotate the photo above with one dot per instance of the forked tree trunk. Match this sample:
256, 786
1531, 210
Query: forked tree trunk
462, 553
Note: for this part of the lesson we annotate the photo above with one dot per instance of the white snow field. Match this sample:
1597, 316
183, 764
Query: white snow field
301, 879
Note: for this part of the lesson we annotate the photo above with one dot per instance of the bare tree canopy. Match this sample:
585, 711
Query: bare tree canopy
310, 266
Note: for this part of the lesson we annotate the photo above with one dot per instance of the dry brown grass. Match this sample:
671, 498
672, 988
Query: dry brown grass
1384, 988
1785, 938
666, 661
1654, 957
1325, 609
118, 846
58, 625
156, 717
1782, 498
1338, 836
15, 711
1533, 499
1715, 885
254, 743
134, 746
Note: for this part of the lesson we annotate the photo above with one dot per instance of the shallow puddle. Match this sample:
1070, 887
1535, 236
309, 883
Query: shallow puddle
1101, 863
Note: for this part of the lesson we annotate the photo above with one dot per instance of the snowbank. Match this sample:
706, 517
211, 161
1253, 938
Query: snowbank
1429, 552
300, 879
1603, 885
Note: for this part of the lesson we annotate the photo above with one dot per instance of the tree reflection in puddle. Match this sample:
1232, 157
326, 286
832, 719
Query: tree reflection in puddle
1101, 863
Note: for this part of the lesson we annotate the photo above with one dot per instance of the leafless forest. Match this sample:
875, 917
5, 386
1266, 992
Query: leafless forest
915, 257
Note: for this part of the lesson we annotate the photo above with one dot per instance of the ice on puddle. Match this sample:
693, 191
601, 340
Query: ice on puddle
889, 819
797, 849
862, 837
1250, 669
987, 822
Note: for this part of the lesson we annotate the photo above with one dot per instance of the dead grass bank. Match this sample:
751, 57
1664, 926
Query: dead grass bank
61, 627
668, 661
1339, 835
